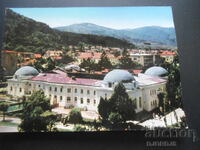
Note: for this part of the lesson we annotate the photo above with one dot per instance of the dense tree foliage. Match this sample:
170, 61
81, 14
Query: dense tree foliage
119, 108
125, 62
24, 34
89, 64
36, 116
173, 86
104, 108
45, 65
75, 116
172, 99
104, 62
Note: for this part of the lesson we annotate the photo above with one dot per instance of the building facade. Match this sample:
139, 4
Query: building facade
66, 91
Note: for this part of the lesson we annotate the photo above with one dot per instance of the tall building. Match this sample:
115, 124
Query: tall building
9, 62
145, 60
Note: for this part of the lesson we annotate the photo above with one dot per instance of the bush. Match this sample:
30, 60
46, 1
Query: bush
115, 118
80, 128
75, 116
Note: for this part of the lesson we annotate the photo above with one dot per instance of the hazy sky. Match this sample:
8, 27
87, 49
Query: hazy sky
113, 17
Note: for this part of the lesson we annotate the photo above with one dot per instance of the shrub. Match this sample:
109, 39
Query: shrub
75, 116
115, 118
80, 128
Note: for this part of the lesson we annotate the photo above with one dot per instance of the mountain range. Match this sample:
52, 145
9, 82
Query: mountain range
152, 34
25, 34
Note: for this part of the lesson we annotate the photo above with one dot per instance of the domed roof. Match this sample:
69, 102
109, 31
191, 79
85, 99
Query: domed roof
156, 71
118, 75
26, 71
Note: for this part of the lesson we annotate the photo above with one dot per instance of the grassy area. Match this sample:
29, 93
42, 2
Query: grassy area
8, 123
64, 130
14, 107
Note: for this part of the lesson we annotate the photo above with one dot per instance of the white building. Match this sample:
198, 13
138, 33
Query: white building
64, 91
145, 59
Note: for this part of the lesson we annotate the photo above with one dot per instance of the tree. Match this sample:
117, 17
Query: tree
4, 107
125, 61
45, 65
88, 64
75, 116
115, 118
50, 118
104, 108
173, 86
122, 104
119, 108
33, 115
104, 62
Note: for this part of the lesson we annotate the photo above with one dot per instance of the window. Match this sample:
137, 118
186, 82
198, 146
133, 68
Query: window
11, 88
69, 90
88, 101
75, 91
61, 89
29, 92
49, 95
94, 92
81, 91
109, 84
105, 95
20, 89
94, 102
55, 97
60, 98
68, 99
88, 91
29, 84
49, 88
81, 100
140, 102
75, 99
55, 89
39, 85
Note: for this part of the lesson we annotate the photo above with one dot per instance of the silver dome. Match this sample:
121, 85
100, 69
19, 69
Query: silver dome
26, 71
118, 75
156, 71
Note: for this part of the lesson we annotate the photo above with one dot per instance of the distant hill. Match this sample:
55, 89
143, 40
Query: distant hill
160, 35
25, 34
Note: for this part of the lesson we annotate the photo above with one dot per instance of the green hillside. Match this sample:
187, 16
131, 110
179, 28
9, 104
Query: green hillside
24, 34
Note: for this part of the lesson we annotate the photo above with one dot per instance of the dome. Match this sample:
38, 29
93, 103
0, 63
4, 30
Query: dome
118, 75
156, 71
26, 71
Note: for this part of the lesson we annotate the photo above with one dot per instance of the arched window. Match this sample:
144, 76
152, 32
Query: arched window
88, 91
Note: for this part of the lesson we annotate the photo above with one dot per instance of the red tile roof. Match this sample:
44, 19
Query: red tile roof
167, 53
8, 51
37, 55
62, 78
94, 55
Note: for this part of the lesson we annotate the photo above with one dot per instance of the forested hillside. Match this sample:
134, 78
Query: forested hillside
24, 34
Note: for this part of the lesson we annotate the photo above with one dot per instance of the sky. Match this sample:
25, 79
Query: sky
112, 17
